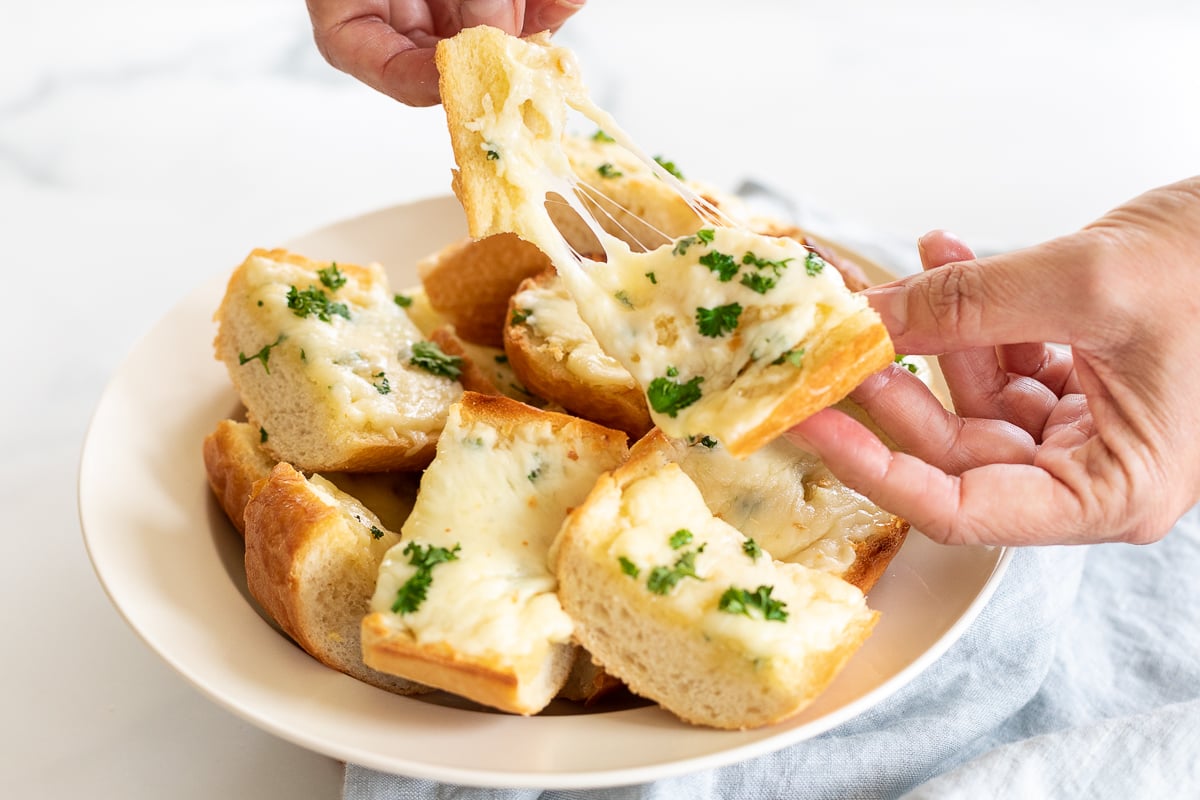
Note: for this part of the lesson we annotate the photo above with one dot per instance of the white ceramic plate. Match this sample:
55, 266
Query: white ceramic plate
172, 565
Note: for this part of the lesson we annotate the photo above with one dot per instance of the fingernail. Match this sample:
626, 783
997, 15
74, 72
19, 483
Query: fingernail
891, 302
553, 15
497, 13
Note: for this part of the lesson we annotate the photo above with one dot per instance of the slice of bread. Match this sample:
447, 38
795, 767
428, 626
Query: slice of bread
790, 504
233, 462
312, 553
554, 353
667, 598
329, 365
467, 601
728, 332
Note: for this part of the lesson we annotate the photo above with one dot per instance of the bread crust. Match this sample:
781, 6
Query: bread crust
310, 575
233, 462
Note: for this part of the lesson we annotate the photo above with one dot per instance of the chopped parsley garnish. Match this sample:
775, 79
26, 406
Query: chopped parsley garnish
706, 441
314, 301
623, 298
381, 383
376, 532
662, 580
410, 596
757, 604
718, 321
492, 155
429, 357
332, 277
519, 315
653, 279
721, 263
501, 359
535, 473
813, 264
704, 235
751, 548
758, 282
669, 166
403, 300
899, 359
262, 435
679, 538
628, 567
601, 136
668, 397
793, 357
764, 263
263, 355
607, 170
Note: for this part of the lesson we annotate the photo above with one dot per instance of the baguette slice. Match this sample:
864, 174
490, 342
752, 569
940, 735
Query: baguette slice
731, 333
312, 553
233, 462
328, 372
645, 570
554, 353
793, 507
467, 601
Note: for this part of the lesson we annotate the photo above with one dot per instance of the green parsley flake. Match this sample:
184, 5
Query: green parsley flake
793, 357
381, 384
813, 264
263, 355
493, 155
662, 580
751, 548
679, 538
414, 591
332, 277
653, 279
899, 359
757, 282
776, 267
262, 435
623, 297
704, 235
757, 604
314, 301
601, 136
403, 300
607, 170
519, 315
376, 532
628, 567
669, 397
721, 263
718, 321
706, 441
429, 357
669, 166
501, 359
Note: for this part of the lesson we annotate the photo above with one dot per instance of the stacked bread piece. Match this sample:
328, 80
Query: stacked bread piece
435, 487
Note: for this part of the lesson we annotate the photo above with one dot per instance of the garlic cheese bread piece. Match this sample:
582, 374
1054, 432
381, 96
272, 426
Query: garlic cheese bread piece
233, 462
730, 333
672, 601
312, 553
466, 602
329, 366
790, 504
554, 353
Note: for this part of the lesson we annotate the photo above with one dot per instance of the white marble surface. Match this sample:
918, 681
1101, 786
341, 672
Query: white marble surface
147, 145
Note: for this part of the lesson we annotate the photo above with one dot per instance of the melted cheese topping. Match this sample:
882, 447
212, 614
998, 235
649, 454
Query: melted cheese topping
787, 501
501, 499
554, 317
349, 359
649, 326
819, 606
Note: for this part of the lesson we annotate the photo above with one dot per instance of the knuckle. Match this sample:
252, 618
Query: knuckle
953, 298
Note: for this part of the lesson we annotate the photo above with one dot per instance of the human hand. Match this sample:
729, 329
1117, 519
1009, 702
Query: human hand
389, 44
1049, 446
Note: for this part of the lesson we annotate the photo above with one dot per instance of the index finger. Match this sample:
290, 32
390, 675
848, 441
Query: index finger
995, 504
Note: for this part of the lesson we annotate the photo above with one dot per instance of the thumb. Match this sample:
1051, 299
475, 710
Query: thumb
503, 14
1017, 297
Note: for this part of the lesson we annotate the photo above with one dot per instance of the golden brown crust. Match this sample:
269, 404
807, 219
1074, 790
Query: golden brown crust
622, 407
873, 554
505, 415
470, 282
233, 462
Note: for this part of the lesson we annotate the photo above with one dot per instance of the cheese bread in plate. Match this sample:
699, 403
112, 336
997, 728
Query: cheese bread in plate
681, 607
466, 601
728, 332
329, 367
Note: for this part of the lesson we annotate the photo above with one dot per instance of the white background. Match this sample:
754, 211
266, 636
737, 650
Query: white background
145, 146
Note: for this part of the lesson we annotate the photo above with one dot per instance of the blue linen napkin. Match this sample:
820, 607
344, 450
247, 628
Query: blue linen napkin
1081, 678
